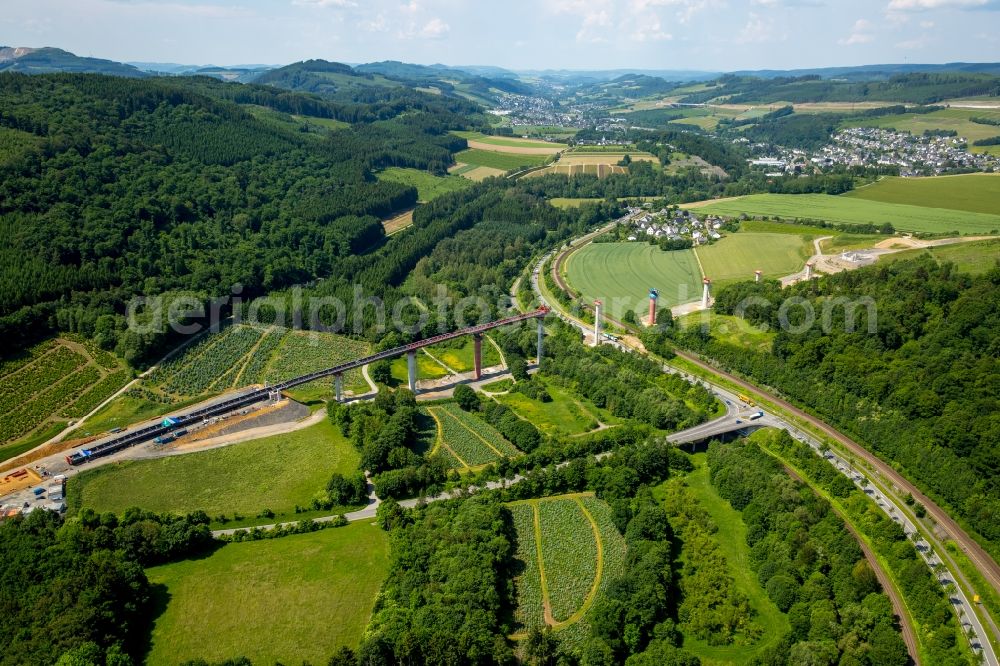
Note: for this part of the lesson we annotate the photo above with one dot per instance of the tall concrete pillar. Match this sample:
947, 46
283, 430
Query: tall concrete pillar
809, 270
597, 323
653, 295
338, 380
541, 336
704, 294
411, 365
477, 356
756, 275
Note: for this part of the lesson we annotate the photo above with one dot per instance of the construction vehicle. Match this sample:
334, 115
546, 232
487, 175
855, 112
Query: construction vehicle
746, 399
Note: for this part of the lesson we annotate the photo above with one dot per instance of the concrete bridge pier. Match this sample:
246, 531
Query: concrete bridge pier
541, 337
411, 366
338, 381
477, 341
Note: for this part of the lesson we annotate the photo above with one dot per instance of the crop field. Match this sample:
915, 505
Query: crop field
397, 223
569, 556
621, 274
738, 255
475, 173
461, 357
566, 414
274, 473
945, 119
511, 144
429, 186
976, 193
308, 594
976, 257
599, 170
51, 383
853, 210
496, 160
302, 352
467, 438
210, 364
600, 157
568, 551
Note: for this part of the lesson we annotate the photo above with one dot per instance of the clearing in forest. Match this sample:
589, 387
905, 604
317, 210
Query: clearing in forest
736, 256
568, 550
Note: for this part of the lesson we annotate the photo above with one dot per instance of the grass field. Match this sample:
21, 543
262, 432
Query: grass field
271, 473
495, 160
585, 156
621, 274
460, 356
468, 440
52, 383
854, 210
562, 202
512, 142
945, 119
429, 186
738, 255
976, 193
427, 368
568, 552
729, 330
288, 600
566, 414
731, 538
976, 257
475, 173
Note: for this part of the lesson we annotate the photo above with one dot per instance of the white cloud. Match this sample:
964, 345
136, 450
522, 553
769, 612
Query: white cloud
861, 33
758, 29
435, 29
924, 5
325, 3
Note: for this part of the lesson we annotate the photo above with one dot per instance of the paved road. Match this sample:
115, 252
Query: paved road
962, 606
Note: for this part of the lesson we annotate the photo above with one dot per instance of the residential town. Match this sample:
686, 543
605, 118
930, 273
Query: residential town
914, 155
672, 225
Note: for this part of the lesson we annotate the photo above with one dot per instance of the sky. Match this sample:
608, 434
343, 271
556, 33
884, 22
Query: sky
707, 35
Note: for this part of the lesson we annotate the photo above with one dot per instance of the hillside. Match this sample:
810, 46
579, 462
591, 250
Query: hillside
47, 60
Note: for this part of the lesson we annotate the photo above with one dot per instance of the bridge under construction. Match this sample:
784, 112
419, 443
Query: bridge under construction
175, 423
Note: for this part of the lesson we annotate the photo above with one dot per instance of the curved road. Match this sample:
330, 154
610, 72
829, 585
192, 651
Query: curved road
980, 559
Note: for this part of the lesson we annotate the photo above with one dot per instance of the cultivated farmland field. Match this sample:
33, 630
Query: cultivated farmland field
853, 210
496, 160
621, 274
271, 473
738, 255
468, 439
601, 157
568, 552
510, 144
429, 186
51, 383
302, 352
569, 556
599, 170
290, 600
976, 193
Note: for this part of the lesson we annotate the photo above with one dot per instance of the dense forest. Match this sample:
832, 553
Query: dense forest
76, 593
921, 389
